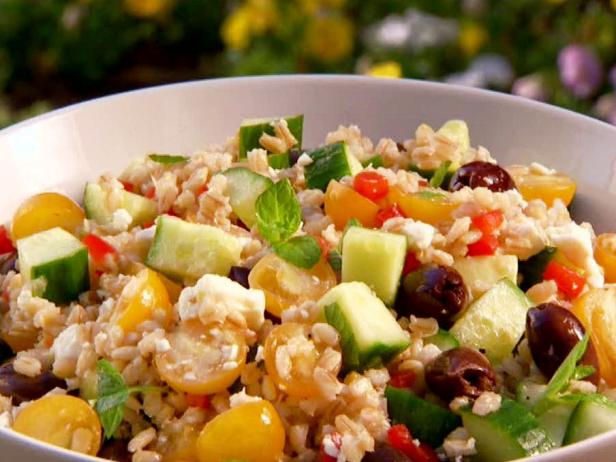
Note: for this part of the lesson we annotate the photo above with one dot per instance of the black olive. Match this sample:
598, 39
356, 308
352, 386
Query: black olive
6, 352
240, 274
24, 388
460, 372
385, 453
552, 331
482, 174
433, 292
115, 449
294, 155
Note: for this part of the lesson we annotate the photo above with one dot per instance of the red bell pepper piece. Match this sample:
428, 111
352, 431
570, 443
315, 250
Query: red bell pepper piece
390, 212
487, 245
411, 263
6, 245
400, 438
489, 222
403, 379
568, 281
98, 247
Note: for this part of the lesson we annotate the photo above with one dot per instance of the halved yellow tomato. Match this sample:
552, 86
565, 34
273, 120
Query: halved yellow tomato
45, 211
144, 298
426, 206
202, 360
285, 284
61, 420
546, 187
182, 446
343, 203
251, 432
605, 253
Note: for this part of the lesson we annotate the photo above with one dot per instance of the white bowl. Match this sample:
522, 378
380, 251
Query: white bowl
63, 149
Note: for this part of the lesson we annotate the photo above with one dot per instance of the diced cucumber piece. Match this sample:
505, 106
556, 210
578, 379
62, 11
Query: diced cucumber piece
369, 334
510, 433
482, 273
374, 161
427, 422
330, 162
141, 209
428, 174
375, 258
244, 187
456, 131
528, 393
279, 161
443, 339
591, 417
58, 257
252, 129
183, 250
555, 421
168, 159
495, 321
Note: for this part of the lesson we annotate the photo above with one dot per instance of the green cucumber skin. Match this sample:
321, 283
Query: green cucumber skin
250, 135
428, 174
141, 209
427, 422
532, 270
279, 161
444, 340
555, 421
354, 359
510, 433
66, 278
374, 161
244, 187
590, 417
328, 163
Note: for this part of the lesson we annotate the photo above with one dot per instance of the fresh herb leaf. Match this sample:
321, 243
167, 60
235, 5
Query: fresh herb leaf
430, 195
562, 376
439, 174
302, 251
583, 371
167, 159
112, 396
335, 260
375, 161
279, 214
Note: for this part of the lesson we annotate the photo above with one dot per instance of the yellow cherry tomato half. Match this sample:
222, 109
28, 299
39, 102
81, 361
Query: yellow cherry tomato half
536, 185
285, 284
605, 253
343, 203
182, 446
202, 359
298, 379
252, 432
45, 211
61, 420
144, 298
426, 206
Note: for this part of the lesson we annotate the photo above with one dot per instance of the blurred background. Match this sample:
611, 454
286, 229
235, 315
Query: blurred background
56, 52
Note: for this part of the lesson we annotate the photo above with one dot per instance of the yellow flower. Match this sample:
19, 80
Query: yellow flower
147, 8
255, 17
263, 15
613, 3
312, 6
472, 37
329, 38
386, 69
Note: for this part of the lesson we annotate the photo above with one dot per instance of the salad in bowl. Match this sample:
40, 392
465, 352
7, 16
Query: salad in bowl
257, 301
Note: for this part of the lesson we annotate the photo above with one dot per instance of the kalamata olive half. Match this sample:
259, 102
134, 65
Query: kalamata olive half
552, 331
461, 371
433, 292
385, 453
24, 388
482, 174
240, 274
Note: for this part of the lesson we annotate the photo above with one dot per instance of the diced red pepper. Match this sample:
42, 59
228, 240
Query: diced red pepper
6, 296
150, 193
403, 379
325, 247
568, 281
98, 247
324, 456
371, 184
392, 211
202, 401
128, 186
489, 222
6, 245
487, 245
411, 263
400, 438
201, 189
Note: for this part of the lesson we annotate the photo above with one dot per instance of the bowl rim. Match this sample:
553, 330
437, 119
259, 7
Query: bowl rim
548, 110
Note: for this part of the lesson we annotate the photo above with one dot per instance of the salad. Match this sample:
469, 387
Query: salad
257, 301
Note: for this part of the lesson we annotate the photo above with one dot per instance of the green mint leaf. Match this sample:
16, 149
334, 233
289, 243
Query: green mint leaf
167, 159
302, 251
562, 376
335, 260
375, 161
110, 381
439, 174
583, 371
279, 214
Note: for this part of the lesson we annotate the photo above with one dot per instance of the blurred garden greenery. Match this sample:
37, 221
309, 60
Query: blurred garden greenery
56, 52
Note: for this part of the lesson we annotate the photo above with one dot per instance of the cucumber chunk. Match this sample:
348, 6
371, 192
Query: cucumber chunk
495, 321
375, 258
279, 161
456, 131
591, 417
510, 433
58, 257
555, 420
369, 334
482, 273
244, 187
427, 422
141, 209
187, 251
529, 393
252, 129
443, 339
330, 162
